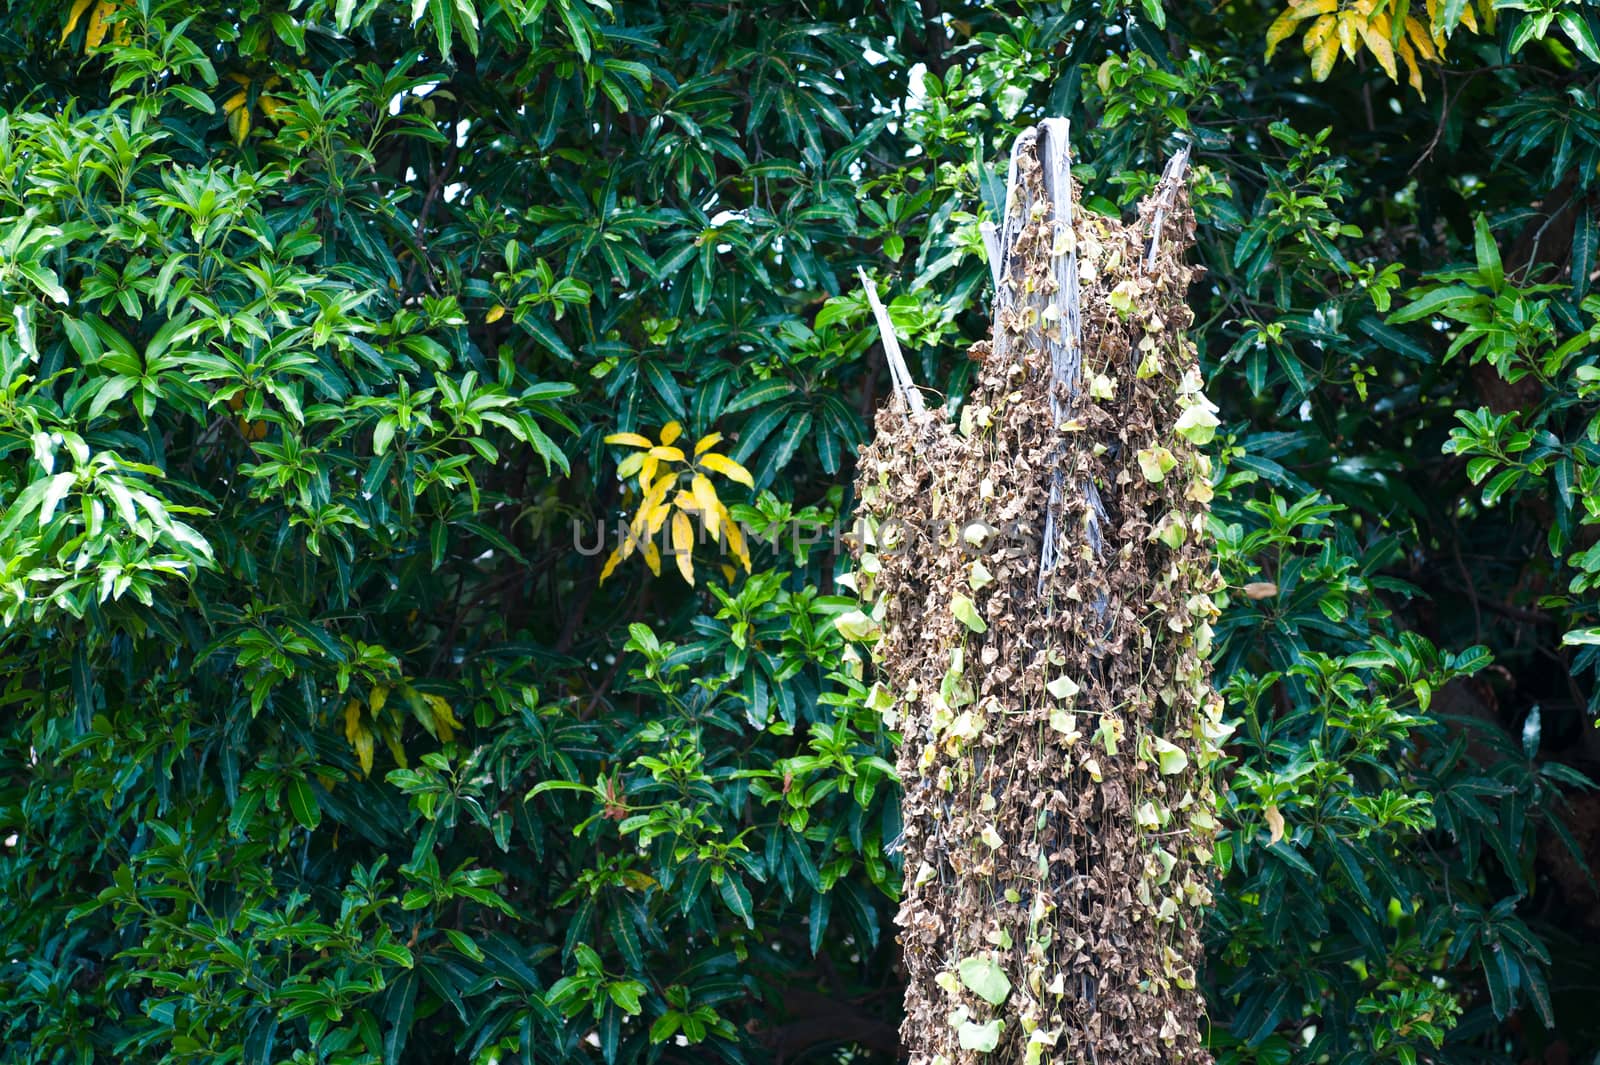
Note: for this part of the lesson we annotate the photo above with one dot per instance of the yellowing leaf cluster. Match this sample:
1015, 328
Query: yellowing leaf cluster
363, 725
99, 23
251, 431
237, 106
673, 486
1388, 29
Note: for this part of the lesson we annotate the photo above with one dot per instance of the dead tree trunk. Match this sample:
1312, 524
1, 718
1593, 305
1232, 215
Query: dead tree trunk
1043, 587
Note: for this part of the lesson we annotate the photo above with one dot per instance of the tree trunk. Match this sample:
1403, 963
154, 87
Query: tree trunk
1043, 587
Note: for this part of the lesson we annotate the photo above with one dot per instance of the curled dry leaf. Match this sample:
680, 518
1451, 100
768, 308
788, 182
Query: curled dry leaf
1274, 821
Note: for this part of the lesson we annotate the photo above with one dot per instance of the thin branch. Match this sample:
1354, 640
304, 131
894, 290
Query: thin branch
904, 386
1172, 176
991, 245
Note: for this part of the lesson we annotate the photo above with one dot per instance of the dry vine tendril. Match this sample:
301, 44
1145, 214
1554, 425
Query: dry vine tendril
1042, 588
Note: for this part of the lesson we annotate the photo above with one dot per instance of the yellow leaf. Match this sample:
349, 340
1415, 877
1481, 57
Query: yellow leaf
706, 443
727, 572
78, 8
1468, 19
706, 501
358, 734
1274, 822
632, 537
611, 564
1282, 27
391, 738
239, 124
647, 470
683, 545
1419, 38
1349, 26
1378, 44
378, 699
496, 312
99, 23
671, 431
652, 557
270, 106
667, 454
728, 468
641, 517
1320, 31
656, 495
444, 718
1322, 59
658, 517
352, 719
1413, 75
631, 439
363, 745
636, 526
632, 464
736, 542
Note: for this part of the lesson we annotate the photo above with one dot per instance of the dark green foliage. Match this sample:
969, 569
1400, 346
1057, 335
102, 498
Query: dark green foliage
313, 320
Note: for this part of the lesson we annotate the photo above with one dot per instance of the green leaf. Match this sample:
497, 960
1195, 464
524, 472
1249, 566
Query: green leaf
857, 626
966, 612
1155, 463
463, 943
737, 897
1577, 31
1197, 425
44, 280
1487, 253
984, 978
1170, 758
980, 1038
817, 922
1063, 687
661, 380
1395, 340
545, 333
759, 396
784, 446
442, 22
303, 802
1585, 249
399, 1010
1431, 302
194, 98
665, 1026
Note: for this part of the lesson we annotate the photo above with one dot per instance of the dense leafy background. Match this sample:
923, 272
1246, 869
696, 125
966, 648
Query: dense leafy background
323, 739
